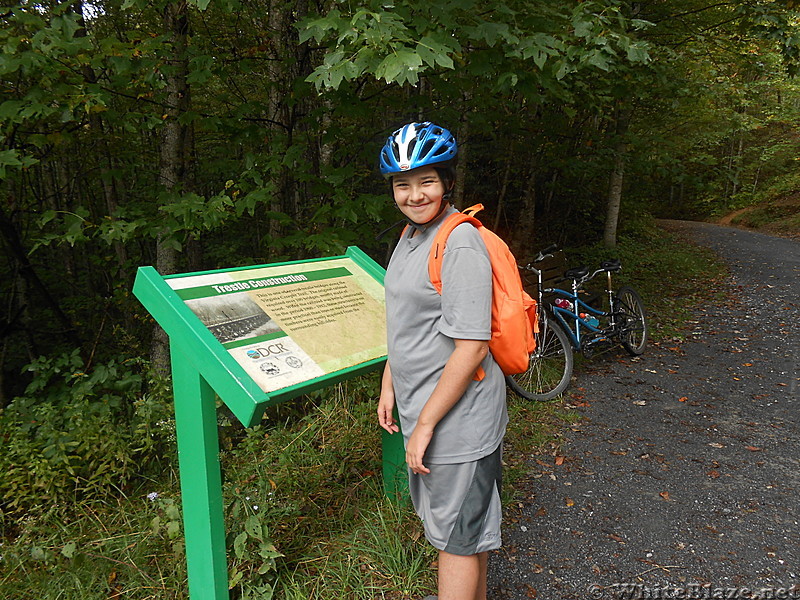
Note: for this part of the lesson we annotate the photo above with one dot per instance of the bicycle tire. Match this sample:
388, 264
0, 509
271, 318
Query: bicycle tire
634, 330
550, 367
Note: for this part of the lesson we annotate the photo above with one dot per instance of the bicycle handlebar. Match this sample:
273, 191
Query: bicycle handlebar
607, 266
542, 254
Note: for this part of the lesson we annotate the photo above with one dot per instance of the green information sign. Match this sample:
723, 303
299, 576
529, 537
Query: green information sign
254, 337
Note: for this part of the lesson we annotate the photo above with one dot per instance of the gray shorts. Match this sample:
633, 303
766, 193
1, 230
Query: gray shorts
459, 504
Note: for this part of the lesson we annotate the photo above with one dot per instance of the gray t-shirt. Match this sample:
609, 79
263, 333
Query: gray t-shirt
422, 327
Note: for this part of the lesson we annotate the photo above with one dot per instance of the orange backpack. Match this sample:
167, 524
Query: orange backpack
514, 318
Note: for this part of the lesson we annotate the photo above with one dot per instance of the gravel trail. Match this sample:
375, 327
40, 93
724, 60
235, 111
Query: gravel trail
682, 479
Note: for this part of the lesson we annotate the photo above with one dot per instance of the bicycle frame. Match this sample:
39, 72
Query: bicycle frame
540, 307
574, 326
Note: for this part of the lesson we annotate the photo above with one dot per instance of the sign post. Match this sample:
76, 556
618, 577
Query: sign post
256, 337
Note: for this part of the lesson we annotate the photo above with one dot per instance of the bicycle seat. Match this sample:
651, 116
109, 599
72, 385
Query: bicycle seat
577, 273
612, 265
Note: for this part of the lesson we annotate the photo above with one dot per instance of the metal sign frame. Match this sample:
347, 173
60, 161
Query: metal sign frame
203, 369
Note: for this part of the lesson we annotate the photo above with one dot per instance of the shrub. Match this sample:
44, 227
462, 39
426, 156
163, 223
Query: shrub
78, 435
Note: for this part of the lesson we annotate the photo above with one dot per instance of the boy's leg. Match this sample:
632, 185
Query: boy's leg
462, 577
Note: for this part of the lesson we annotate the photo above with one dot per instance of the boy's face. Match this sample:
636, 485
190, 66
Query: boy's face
418, 194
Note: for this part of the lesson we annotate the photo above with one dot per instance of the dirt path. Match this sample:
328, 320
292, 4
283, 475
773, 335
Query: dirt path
686, 469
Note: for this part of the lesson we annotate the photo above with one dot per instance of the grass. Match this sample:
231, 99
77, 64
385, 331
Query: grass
780, 216
305, 513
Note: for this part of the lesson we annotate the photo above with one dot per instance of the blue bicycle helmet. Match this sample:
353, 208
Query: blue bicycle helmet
417, 145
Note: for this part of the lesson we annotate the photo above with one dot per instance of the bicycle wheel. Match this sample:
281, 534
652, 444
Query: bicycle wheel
633, 328
550, 365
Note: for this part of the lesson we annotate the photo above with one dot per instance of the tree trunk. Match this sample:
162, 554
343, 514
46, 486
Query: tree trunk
107, 180
526, 222
501, 196
617, 178
174, 151
17, 250
461, 165
277, 16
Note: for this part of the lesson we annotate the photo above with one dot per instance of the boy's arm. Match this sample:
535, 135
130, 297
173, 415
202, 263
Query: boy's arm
386, 402
457, 375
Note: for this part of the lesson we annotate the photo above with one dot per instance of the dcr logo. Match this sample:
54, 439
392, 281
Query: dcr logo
263, 352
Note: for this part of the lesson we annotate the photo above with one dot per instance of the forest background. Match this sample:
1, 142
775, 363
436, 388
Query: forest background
210, 134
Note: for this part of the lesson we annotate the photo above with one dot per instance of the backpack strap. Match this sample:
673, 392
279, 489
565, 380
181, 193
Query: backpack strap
436, 256
440, 241
473, 210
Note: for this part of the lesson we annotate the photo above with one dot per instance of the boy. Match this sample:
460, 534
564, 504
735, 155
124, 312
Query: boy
449, 392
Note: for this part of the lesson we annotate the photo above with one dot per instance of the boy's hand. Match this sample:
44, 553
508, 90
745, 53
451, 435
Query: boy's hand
386, 413
415, 450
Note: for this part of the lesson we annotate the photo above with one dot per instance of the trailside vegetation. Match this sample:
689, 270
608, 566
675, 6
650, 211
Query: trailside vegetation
201, 134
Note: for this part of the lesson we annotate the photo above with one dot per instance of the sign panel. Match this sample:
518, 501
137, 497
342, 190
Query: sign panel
290, 323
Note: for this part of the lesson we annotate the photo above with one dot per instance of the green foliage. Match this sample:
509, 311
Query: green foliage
78, 435
253, 563
400, 43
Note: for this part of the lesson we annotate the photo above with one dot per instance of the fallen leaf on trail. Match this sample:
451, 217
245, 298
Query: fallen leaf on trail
747, 364
683, 399
532, 592
569, 501
541, 512
559, 460
639, 402
753, 448
714, 474
665, 496
716, 445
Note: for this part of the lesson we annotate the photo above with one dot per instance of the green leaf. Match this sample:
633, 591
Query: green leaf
38, 553
638, 53
267, 550
235, 578
253, 527
173, 529
240, 545
598, 60
69, 549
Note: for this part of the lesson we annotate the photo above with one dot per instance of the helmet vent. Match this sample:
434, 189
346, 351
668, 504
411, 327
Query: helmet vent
412, 144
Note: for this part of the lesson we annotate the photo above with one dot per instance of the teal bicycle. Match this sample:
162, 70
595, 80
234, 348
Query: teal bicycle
575, 321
